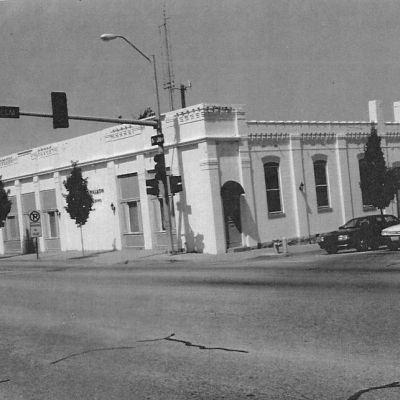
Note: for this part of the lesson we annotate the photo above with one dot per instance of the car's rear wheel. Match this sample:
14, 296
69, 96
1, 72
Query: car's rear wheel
361, 245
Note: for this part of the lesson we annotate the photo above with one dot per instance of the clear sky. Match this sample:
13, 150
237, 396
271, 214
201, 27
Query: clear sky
282, 59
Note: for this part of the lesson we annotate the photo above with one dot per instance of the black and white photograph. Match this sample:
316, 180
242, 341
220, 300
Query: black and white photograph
199, 199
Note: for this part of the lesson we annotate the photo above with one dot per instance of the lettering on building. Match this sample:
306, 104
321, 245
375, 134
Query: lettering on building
95, 192
45, 151
7, 161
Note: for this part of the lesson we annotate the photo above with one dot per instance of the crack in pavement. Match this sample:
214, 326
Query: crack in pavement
357, 395
169, 338
93, 351
189, 344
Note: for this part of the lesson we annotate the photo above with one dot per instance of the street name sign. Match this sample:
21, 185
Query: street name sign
9, 112
157, 140
36, 229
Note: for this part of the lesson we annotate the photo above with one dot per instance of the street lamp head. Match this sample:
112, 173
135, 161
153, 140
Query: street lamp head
108, 36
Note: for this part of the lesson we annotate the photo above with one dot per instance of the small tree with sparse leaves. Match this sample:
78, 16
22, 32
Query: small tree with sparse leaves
79, 200
5, 204
379, 184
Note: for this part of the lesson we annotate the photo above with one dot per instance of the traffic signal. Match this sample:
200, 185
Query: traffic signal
60, 110
152, 187
175, 184
161, 173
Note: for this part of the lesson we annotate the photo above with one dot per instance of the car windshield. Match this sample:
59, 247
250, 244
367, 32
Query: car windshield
354, 223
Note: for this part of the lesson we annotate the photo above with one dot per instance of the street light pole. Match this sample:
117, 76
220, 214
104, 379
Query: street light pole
167, 211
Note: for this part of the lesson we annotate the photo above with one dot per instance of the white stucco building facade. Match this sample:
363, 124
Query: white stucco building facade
246, 183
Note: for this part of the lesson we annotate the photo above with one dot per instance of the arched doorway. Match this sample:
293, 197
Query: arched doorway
230, 193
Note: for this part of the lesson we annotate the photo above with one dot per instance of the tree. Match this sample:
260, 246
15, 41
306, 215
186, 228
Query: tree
79, 200
148, 112
5, 204
378, 183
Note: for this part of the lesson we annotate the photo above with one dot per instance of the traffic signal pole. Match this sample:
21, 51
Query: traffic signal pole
167, 208
154, 124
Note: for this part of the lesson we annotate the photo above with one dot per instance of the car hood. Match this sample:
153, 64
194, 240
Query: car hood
393, 228
340, 232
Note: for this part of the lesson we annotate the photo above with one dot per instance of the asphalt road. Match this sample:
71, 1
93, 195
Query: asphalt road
308, 327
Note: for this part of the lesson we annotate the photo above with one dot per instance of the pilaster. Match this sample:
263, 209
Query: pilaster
300, 200
17, 185
148, 235
36, 188
345, 189
113, 185
215, 239
63, 215
248, 208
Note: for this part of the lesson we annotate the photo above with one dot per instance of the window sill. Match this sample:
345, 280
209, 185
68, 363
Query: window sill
133, 233
276, 215
322, 210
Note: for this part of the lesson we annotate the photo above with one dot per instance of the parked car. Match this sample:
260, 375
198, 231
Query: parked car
391, 237
361, 233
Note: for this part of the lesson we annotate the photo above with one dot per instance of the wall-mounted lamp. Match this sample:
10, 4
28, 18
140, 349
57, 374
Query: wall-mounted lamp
301, 187
58, 212
112, 207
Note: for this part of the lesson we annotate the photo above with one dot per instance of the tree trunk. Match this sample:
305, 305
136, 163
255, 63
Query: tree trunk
83, 251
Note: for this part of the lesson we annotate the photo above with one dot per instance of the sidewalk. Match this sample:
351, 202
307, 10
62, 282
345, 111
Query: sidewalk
128, 256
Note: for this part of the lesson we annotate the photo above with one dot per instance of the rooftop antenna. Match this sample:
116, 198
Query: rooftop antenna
167, 69
169, 83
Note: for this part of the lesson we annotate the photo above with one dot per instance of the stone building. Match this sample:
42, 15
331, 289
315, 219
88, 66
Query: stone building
246, 183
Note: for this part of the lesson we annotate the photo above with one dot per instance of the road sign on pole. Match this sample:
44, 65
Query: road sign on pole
36, 229
157, 140
9, 112
34, 216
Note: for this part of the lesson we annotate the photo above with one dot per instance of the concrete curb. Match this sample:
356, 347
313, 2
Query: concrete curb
130, 257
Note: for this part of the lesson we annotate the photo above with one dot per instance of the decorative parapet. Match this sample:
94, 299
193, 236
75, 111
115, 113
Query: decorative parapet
392, 129
205, 112
8, 161
122, 132
45, 151
326, 130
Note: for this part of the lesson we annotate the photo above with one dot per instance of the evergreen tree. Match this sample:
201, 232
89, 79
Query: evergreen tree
5, 204
79, 200
378, 183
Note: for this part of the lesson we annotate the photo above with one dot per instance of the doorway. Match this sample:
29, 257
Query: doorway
230, 193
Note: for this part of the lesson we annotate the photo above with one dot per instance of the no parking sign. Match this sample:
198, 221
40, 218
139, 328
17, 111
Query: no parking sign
35, 225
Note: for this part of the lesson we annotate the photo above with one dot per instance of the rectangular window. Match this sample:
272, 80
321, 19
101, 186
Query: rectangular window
271, 174
11, 223
133, 216
12, 231
130, 203
321, 183
52, 224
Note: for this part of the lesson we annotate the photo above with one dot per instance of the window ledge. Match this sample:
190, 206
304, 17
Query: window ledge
133, 233
324, 209
276, 215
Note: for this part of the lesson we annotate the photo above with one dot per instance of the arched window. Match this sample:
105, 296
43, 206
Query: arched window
271, 174
321, 183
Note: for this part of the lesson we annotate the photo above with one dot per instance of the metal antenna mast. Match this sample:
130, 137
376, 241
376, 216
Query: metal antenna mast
168, 69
